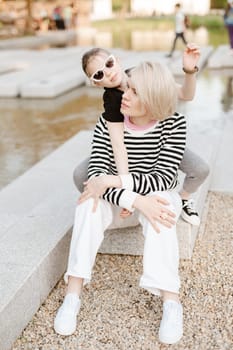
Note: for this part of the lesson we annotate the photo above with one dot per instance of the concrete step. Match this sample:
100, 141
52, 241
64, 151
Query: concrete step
40, 73
221, 58
53, 85
222, 174
174, 63
48, 73
36, 212
55, 38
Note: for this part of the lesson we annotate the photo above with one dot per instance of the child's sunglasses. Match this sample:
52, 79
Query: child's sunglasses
99, 74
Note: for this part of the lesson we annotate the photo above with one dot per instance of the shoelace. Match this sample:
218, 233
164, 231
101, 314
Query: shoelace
189, 205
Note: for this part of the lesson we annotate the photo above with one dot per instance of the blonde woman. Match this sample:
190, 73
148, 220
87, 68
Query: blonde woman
154, 135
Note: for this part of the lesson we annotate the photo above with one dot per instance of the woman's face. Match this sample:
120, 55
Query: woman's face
131, 104
107, 68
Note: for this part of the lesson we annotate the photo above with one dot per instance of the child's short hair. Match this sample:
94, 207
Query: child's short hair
96, 51
156, 88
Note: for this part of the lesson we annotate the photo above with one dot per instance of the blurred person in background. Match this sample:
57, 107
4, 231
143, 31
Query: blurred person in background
180, 28
228, 21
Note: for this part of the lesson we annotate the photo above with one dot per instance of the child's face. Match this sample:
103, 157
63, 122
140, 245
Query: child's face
105, 71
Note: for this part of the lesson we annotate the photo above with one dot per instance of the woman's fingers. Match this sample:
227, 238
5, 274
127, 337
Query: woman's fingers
125, 213
95, 204
161, 200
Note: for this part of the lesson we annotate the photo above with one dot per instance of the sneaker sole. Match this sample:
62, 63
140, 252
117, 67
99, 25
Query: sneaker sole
64, 333
170, 341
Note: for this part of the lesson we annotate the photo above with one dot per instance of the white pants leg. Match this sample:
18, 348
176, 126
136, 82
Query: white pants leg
161, 256
88, 233
161, 253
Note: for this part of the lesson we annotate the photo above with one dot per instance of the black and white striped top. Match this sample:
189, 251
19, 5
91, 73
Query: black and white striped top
154, 155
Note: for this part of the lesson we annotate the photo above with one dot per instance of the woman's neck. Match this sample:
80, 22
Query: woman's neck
141, 121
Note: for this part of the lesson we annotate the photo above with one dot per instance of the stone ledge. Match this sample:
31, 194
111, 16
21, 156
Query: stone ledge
221, 58
36, 212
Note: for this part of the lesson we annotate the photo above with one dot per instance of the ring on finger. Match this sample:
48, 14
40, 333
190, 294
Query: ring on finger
164, 216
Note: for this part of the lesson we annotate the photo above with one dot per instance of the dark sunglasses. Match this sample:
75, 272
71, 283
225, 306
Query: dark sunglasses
99, 74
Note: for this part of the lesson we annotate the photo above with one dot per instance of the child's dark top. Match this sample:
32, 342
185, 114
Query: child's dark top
112, 104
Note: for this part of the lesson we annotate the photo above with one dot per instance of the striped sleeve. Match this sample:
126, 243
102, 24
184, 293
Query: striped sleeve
99, 163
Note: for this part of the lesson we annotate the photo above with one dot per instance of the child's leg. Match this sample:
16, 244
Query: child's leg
116, 132
80, 174
196, 171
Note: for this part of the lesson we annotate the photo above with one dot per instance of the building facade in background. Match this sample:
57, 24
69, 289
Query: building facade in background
149, 7
101, 9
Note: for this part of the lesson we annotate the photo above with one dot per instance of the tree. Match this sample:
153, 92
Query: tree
218, 4
29, 20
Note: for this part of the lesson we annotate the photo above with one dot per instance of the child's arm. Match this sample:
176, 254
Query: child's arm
190, 60
116, 132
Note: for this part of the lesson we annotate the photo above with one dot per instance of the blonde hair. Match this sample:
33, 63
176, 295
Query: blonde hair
156, 88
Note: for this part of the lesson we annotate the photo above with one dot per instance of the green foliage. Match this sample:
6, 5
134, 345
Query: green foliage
210, 22
218, 4
162, 23
118, 5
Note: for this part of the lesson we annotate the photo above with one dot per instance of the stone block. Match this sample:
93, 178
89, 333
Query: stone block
53, 85
221, 58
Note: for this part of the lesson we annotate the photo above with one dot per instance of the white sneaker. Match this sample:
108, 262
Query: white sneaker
189, 212
171, 326
66, 319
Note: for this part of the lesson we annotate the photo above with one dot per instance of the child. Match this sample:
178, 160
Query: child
104, 70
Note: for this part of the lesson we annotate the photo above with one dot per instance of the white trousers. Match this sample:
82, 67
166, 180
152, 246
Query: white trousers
160, 256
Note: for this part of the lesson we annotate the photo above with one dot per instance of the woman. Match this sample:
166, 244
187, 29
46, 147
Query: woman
155, 140
228, 20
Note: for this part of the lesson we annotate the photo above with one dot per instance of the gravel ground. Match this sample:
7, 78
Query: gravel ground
118, 315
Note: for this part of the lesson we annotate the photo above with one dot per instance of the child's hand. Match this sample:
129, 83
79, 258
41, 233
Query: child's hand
191, 56
94, 188
125, 213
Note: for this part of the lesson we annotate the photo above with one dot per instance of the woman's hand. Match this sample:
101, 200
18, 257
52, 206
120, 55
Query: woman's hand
153, 208
191, 56
93, 188
125, 213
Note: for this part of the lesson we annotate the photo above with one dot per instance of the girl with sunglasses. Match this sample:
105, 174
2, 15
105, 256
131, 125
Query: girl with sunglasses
155, 137
104, 70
